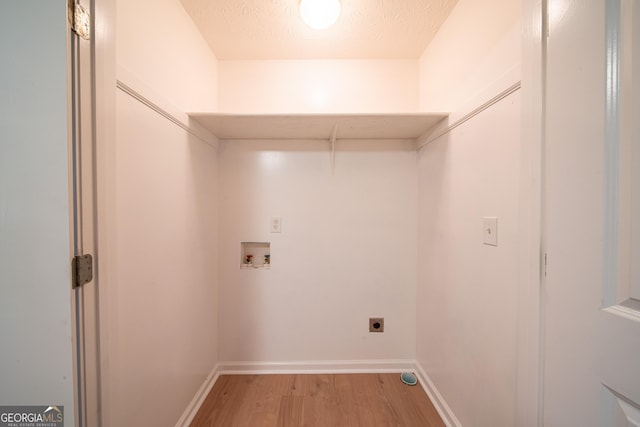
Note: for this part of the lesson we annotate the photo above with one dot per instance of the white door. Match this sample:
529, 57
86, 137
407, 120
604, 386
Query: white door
591, 299
35, 274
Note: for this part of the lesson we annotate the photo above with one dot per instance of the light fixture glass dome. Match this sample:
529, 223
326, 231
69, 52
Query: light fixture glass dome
320, 14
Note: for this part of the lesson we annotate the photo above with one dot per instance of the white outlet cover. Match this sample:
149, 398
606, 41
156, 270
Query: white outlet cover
276, 224
490, 230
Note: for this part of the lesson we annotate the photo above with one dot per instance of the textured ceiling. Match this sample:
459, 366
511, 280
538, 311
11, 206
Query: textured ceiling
273, 29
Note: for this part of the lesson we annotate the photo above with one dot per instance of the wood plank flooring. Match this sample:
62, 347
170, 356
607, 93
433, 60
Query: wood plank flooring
316, 400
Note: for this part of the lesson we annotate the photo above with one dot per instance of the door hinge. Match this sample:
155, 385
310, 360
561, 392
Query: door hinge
82, 270
80, 19
545, 264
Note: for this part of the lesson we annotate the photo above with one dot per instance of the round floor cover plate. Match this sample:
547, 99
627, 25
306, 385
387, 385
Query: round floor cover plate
408, 378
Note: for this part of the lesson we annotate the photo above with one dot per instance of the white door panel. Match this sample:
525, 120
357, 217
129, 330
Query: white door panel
630, 92
592, 180
619, 324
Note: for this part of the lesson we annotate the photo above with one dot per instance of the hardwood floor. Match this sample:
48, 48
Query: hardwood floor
316, 400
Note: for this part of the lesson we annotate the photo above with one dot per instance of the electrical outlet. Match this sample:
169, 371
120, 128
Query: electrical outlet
276, 224
376, 324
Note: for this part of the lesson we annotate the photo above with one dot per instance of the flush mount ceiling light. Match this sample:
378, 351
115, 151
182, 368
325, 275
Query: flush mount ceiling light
320, 14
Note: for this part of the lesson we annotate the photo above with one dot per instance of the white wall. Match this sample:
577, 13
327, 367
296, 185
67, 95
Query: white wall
35, 277
339, 260
318, 86
164, 303
467, 292
162, 213
478, 44
158, 44
347, 250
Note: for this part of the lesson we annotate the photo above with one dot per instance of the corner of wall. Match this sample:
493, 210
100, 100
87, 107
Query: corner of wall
473, 48
445, 412
179, 64
198, 399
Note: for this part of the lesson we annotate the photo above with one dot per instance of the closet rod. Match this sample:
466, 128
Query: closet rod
508, 91
155, 107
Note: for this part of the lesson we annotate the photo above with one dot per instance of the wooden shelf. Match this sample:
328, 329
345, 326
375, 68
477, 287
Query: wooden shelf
318, 126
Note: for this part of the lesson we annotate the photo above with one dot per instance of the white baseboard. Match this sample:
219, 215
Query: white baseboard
197, 401
317, 367
438, 401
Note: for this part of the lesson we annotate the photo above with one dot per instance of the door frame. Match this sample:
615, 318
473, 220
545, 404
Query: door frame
532, 243
104, 21
91, 305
